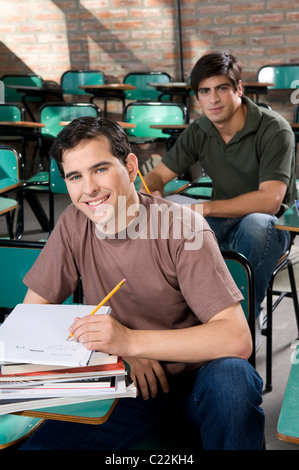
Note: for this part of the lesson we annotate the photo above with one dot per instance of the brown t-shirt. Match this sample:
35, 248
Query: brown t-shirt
175, 275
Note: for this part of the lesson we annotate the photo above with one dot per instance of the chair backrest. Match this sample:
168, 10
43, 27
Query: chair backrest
10, 165
20, 79
56, 182
143, 91
242, 273
144, 114
16, 258
11, 112
52, 114
284, 76
71, 80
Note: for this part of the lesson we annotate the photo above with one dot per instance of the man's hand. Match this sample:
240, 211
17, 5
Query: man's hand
102, 333
146, 374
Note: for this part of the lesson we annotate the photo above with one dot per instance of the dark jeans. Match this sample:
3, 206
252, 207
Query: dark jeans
220, 404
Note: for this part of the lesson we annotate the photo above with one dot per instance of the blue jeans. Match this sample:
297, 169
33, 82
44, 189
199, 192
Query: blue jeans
255, 237
220, 404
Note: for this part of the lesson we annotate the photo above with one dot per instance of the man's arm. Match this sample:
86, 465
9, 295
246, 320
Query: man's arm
157, 178
226, 334
33, 298
267, 199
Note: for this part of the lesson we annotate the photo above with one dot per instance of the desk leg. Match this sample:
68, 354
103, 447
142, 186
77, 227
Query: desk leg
26, 106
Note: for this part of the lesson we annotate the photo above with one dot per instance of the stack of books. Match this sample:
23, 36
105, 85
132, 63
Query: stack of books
53, 371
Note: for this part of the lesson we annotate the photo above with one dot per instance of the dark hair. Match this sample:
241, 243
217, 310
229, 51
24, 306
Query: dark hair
88, 128
215, 63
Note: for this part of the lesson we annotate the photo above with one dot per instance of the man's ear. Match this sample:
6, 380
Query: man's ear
132, 166
240, 90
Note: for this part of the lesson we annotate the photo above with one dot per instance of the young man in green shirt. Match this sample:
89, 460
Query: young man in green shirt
248, 151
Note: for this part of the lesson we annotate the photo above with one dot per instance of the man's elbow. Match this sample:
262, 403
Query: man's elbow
244, 346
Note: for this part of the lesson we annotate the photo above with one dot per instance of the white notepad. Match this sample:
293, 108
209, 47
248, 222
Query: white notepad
37, 334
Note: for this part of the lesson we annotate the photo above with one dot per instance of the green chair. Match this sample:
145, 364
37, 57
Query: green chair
71, 80
16, 112
10, 180
57, 186
145, 114
30, 79
7, 208
283, 76
173, 435
143, 91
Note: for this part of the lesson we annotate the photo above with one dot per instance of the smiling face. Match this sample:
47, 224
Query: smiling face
219, 100
96, 179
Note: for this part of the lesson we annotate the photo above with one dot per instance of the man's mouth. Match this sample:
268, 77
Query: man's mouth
97, 202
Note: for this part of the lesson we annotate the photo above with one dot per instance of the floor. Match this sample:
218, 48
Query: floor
284, 329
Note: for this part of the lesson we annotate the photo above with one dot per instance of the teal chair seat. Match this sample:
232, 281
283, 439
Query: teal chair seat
145, 114
141, 80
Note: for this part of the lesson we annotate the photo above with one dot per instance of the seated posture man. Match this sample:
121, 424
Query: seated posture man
248, 151
177, 321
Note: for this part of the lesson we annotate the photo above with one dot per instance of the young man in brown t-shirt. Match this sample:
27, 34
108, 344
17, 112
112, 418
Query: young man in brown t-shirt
177, 321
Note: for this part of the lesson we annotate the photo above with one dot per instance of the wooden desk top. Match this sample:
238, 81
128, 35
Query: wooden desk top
109, 86
28, 124
91, 412
184, 85
289, 220
169, 126
41, 89
294, 125
257, 84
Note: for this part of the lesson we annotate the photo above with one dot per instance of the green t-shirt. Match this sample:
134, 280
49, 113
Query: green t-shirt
263, 150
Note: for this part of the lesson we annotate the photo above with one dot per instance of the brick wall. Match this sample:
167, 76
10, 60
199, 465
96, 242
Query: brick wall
118, 36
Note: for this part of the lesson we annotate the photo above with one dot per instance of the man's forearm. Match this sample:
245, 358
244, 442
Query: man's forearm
226, 336
267, 201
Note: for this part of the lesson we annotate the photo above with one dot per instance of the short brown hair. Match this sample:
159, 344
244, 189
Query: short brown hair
215, 63
88, 128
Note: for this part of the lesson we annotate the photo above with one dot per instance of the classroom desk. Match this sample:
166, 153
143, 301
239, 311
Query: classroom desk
27, 130
288, 421
35, 91
289, 220
171, 89
90, 412
256, 88
109, 91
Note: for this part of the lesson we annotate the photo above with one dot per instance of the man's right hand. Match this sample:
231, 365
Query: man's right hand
146, 374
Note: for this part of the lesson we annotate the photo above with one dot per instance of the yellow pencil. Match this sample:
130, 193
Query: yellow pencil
104, 300
144, 183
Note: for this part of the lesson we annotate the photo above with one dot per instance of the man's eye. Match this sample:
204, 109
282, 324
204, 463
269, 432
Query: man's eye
74, 178
100, 170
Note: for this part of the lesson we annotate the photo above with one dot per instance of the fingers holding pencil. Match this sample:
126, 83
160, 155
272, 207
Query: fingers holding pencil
104, 301
102, 333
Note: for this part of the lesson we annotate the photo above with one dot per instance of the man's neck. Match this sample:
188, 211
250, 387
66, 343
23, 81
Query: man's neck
227, 130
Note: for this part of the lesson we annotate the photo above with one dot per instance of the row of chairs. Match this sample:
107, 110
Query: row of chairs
283, 76
71, 80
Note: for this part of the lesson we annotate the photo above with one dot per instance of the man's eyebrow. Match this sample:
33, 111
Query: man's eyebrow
216, 87
93, 167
